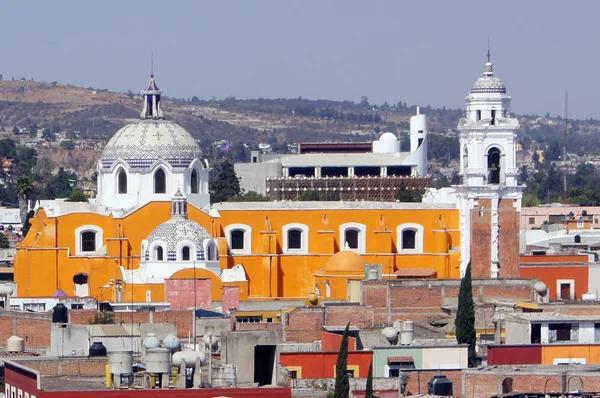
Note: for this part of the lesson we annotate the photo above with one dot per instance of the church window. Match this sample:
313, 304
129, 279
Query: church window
211, 251
185, 253
237, 239
493, 166
493, 117
295, 239
478, 116
160, 181
410, 238
122, 181
351, 238
158, 253
328, 289
88, 241
194, 181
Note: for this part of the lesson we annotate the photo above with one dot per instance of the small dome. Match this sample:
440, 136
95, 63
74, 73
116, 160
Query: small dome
488, 84
176, 230
143, 143
346, 261
388, 137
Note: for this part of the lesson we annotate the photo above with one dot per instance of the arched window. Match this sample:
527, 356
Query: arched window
328, 289
351, 238
88, 241
409, 239
158, 253
194, 181
185, 253
211, 251
507, 385
295, 239
122, 181
237, 239
160, 181
493, 166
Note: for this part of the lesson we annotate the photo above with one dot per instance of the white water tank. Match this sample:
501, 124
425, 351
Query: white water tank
373, 274
15, 344
589, 296
390, 334
172, 342
151, 342
158, 360
190, 358
120, 362
407, 332
5, 291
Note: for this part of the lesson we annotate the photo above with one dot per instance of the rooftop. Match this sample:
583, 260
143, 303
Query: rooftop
330, 205
343, 159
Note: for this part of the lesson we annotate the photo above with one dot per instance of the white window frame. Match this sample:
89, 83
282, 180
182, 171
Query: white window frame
116, 178
152, 250
99, 239
580, 224
206, 245
418, 238
362, 236
565, 281
303, 240
247, 238
179, 250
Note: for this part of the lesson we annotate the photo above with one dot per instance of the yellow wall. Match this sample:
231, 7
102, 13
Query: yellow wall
46, 261
590, 352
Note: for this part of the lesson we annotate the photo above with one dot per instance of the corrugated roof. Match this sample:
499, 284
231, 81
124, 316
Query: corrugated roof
553, 317
400, 359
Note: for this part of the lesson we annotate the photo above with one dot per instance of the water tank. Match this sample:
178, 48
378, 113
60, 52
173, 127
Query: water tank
97, 349
15, 344
60, 314
120, 362
439, 385
541, 288
158, 360
172, 342
407, 332
589, 296
390, 334
6, 289
373, 274
151, 342
190, 358
207, 341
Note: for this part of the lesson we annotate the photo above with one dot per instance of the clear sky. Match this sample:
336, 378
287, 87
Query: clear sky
418, 52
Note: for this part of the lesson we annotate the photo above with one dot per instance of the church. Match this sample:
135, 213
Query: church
152, 223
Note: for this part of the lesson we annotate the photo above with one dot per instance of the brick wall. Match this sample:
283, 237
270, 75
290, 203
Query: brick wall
304, 325
78, 366
481, 239
33, 327
418, 379
359, 316
508, 239
231, 298
180, 293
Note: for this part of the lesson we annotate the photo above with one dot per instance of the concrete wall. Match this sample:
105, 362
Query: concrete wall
516, 331
238, 350
452, 357
214, 326
253, 175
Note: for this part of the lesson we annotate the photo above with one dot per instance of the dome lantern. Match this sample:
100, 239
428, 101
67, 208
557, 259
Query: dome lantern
151, 108
178, 205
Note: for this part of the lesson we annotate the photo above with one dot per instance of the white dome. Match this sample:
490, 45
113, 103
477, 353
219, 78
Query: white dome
177, 230
143, 143
388, 137
488, 84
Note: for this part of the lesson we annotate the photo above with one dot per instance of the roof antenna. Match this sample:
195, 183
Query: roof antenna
152, 62
488, 53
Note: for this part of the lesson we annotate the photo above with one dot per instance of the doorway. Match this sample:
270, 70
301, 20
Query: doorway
264, 364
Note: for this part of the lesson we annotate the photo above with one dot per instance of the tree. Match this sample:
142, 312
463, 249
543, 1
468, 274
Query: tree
369, 388
224, 184
61, 185
553, 152
342, 385
26, 224
4, 243
77, 196
24, 190
67, 144
33, 129
252, 196
465, 316
8, 148
16, 130
48, 135
406, 194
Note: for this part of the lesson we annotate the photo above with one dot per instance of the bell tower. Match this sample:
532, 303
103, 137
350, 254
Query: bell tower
489, 198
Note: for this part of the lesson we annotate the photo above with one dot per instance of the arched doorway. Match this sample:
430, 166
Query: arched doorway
493, 166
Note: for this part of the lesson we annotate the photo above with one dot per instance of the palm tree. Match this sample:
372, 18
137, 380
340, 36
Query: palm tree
24, 189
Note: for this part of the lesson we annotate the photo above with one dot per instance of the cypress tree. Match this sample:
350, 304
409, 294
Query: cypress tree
369, 388
465, 316
342, 385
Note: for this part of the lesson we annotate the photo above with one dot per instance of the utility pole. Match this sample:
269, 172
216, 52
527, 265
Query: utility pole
566, 167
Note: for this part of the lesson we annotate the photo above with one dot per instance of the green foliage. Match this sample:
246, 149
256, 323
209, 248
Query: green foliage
4, 244
406, 194
342, 385
48, 135
224, 185
61, 185
553, 152
252, 196
16, 130
369, 387
465, 316
77, 196
311, 195
33, 129
8, 148
26, 224
102, 318
67, 144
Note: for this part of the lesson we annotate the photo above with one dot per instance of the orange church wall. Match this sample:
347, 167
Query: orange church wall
46, 260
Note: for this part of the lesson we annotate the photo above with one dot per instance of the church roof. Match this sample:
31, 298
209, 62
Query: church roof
143, 143
488, 83
177, 230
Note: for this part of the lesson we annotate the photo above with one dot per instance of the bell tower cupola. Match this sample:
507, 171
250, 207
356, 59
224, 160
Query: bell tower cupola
151, 108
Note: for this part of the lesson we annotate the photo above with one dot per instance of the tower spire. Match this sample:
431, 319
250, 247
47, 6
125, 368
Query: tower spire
488, 53
489, 68
151, 108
